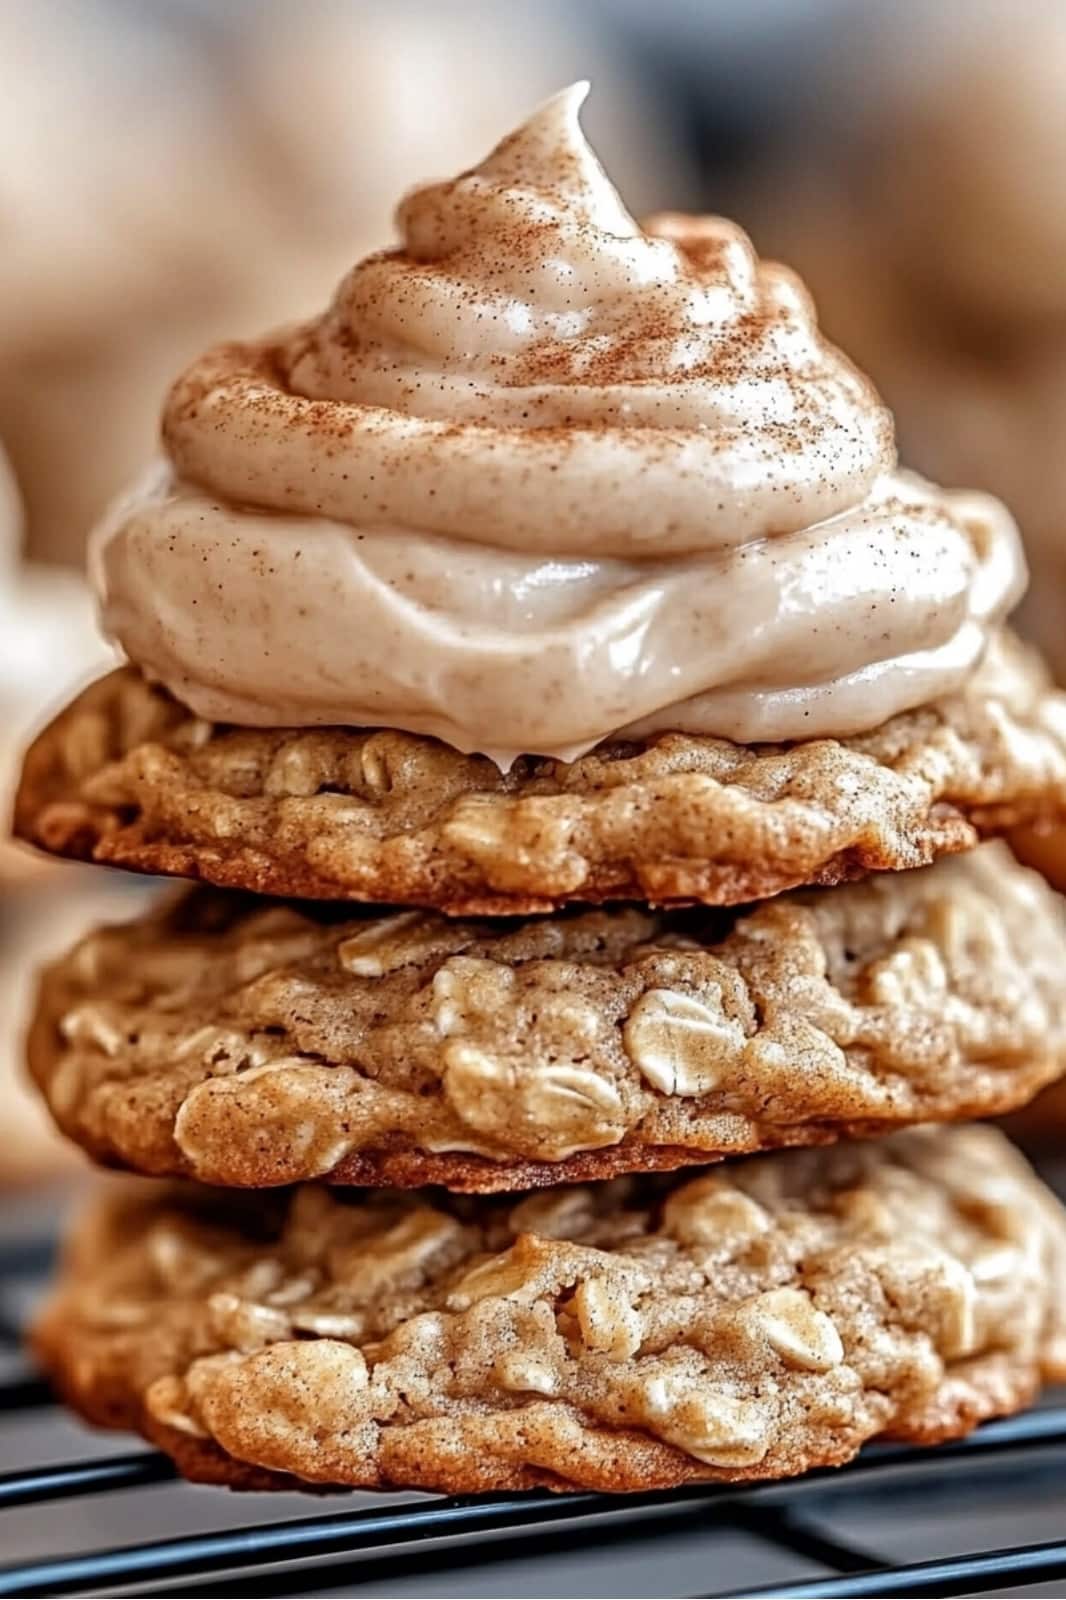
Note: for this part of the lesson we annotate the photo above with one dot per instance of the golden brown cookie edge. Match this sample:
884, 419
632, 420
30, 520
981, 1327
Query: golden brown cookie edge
995, 1387
48, 815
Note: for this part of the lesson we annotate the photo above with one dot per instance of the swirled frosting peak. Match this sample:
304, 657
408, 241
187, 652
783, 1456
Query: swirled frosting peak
540, 475
548, 155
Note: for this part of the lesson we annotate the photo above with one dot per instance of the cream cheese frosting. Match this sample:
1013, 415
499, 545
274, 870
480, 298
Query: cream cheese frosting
540, 476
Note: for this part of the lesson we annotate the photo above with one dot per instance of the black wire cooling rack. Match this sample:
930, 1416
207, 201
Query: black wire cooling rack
896, 1522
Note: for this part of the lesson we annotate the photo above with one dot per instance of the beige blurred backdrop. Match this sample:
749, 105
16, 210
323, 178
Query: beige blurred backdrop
171, 174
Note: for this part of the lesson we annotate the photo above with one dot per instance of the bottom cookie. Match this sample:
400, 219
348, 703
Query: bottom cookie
751, 1322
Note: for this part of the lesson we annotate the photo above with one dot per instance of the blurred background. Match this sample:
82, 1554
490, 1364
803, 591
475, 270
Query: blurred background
174, 171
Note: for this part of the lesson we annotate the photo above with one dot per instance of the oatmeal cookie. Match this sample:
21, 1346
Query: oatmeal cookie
127, 776
1044, 849
752, 1322
249, 1043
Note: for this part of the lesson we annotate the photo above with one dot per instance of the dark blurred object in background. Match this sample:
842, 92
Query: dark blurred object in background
927, 211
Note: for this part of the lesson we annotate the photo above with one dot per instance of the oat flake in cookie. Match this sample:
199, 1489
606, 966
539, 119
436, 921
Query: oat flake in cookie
751, 1322
248, 1043
561, 558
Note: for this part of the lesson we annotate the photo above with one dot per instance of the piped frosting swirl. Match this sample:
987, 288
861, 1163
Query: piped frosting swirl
539, 476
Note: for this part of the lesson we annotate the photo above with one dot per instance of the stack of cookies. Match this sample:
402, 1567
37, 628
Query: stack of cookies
584, 732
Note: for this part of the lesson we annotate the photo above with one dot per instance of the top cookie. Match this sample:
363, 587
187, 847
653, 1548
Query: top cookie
127, 776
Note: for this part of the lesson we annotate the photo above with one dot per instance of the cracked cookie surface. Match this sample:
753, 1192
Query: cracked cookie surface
243, 1042
755, 1321
126, 776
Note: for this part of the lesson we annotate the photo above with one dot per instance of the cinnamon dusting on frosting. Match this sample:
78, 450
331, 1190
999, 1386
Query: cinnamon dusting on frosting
557, 476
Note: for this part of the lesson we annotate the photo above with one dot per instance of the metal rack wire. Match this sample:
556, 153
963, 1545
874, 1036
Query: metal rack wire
1006, 1464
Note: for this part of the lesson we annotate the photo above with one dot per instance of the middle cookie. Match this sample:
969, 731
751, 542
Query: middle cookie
249, 1043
